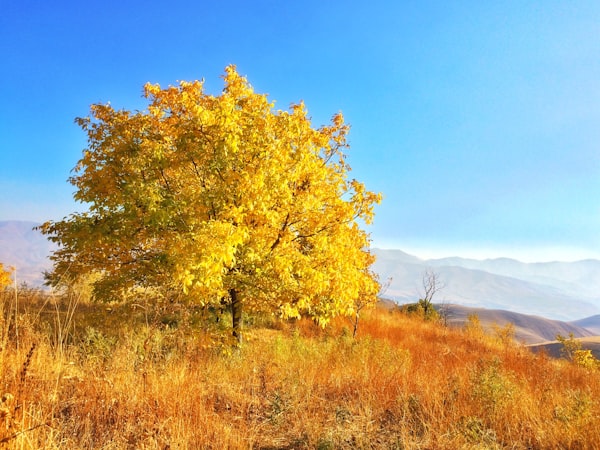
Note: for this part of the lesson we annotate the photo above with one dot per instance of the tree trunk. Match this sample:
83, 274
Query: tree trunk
236, 314
355, 325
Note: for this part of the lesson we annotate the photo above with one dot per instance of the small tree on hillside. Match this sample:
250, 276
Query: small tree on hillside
573, 351
570, 345
431, 286
208, 198
424, 307
362, 303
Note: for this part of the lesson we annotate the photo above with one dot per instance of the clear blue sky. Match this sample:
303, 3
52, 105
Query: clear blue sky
479, 123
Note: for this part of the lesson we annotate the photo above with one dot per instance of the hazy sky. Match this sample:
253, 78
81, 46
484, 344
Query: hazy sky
480, 124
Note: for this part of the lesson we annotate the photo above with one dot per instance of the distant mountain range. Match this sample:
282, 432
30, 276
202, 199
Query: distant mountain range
557, 290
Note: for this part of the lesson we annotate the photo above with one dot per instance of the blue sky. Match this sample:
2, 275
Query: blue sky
479, 123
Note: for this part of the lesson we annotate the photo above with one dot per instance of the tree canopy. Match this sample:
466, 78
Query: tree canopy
207, 198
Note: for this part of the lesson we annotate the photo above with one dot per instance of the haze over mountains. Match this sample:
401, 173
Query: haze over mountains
555, 290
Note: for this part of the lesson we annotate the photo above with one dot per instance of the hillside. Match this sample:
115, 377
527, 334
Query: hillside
528, 329
122, 380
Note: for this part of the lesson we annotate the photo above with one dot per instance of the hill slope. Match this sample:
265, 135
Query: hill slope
402, 383
528, 329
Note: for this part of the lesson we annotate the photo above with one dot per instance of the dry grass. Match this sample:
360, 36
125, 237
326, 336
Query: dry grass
117, 379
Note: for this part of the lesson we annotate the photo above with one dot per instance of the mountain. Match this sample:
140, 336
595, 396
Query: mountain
561, 291
581, 277
528, 329
589, 323
26, 249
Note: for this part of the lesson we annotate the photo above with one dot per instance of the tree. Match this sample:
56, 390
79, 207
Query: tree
362, 303
431, 286
209, 198
570, 345
573, 351
5, 279
424, 307
473, 326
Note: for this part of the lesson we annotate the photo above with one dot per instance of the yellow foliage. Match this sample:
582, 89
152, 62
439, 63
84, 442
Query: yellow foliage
584, 358
205, 195
5, 279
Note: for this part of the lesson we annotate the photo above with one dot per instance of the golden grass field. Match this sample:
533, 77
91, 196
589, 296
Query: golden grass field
76, 375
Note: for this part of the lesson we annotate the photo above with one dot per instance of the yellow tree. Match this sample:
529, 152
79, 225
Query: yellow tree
5, 279
219, 197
